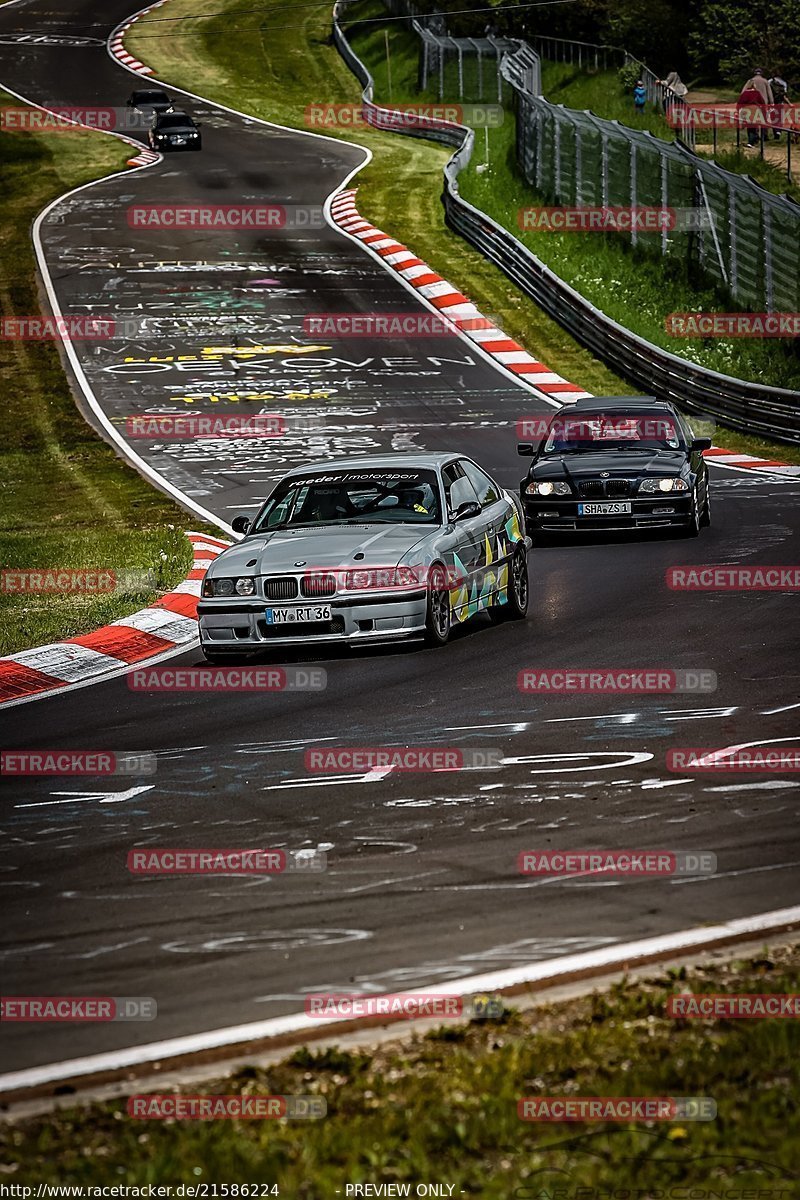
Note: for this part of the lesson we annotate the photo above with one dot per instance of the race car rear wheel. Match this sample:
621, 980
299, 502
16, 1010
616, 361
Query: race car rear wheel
437, 616
516, 607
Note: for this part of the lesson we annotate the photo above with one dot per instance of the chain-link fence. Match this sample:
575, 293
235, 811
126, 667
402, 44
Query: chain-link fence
745, 239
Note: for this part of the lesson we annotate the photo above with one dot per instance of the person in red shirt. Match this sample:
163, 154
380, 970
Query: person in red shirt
756, 93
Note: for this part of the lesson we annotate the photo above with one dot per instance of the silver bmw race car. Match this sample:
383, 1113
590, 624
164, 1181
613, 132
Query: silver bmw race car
368, 549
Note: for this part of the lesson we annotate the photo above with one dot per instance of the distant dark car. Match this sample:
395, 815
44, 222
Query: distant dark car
174, 131
616, 462
150, 102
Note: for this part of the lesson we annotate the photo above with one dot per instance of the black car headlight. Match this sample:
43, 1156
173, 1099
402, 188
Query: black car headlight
229, 587
673, 484
548, 487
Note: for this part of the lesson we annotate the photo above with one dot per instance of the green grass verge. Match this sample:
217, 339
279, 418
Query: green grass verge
68, 500
443, 1108
259, 70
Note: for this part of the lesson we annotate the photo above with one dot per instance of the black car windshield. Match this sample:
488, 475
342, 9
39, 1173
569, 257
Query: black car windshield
175, 121
383, 496
613, 431
150, 98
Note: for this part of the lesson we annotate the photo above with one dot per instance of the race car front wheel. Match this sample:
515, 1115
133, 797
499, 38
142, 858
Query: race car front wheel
437, 617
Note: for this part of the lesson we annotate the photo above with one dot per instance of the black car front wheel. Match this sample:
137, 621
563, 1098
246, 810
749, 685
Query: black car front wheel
705, 519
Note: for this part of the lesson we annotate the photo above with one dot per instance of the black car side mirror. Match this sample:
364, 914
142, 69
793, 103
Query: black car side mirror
470, 508
240, 524
703, 443
526, 449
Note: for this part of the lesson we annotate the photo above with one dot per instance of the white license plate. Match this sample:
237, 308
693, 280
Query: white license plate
296, 616
604, 509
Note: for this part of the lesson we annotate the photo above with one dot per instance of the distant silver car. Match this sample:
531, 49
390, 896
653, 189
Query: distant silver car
368, 549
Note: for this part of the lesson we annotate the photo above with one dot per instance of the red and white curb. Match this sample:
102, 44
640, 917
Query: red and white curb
117, 43
452, 304
166, 625
749, 462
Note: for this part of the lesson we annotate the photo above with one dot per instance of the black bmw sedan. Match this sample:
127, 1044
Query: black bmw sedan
174, 131
615, 463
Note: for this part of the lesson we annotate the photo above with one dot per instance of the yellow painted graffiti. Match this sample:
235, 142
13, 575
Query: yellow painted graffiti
216, 353
251, 397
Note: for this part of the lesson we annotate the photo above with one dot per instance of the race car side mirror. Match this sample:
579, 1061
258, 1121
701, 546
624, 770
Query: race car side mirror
526, 449
470, 508
240, 524
703, 443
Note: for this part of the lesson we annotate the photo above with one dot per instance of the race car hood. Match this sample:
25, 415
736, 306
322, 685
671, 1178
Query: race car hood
620, 464
325, 547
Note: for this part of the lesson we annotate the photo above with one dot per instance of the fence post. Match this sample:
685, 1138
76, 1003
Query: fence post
460, 71
557, 156
605, 171
441, 71
664, 203
733, 242
634, 233
768, 271
578, 164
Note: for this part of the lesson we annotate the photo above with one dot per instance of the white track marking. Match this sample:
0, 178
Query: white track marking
606, 959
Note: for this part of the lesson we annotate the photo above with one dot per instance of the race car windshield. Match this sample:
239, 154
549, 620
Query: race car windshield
353, 498
613, 431
175, 121
150, 98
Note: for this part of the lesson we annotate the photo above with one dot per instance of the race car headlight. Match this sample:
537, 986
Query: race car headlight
229, 587
548, 488
664, 485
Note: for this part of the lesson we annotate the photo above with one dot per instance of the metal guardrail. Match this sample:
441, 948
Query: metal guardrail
751, 407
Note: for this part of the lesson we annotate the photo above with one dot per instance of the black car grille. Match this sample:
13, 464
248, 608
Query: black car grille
318, 585
282, 587
601, 489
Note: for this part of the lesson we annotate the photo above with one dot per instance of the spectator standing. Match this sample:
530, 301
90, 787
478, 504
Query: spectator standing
756, 93
639, 96
780, 95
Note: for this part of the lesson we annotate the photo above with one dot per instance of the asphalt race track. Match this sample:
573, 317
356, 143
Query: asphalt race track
422, 883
